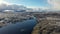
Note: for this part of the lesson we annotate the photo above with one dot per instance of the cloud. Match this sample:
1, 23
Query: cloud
10, 6
2, 1
55, 4
17, 7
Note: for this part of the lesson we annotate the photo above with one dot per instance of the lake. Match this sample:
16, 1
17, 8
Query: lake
25, 27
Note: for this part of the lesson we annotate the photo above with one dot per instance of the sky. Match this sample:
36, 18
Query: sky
29, 3
44, 4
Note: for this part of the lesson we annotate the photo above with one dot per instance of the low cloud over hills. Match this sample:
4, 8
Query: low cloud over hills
11, 7
17, 7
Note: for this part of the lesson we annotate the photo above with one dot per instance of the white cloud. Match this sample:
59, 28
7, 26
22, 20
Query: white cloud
2, 1
5, 6
10, 6
43, 8
55, 4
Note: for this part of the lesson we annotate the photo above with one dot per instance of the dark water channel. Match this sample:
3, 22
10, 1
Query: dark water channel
25, 27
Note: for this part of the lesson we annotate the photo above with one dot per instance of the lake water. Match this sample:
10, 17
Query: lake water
25, 27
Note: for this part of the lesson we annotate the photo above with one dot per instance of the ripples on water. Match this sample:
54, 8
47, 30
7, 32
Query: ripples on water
19, 28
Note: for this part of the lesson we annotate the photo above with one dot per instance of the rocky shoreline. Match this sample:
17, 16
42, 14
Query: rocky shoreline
45, 27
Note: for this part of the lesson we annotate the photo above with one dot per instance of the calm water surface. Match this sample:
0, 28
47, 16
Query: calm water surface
25, 27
